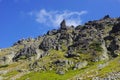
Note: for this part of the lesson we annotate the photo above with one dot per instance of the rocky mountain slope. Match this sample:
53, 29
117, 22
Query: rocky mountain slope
84, 52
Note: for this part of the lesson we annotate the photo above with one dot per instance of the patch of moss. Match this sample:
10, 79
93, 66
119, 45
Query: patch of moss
54, 54
10, 74
96, 46
23, 57
64, 47
4, 66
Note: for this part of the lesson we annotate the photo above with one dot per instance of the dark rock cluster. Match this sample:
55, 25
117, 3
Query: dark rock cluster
81, 39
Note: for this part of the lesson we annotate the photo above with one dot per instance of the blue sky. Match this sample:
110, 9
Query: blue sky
31, 18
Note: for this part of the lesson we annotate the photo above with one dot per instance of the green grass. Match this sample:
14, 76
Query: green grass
96, 46
113, 66
49, 75
91, 69
10, 74
54, 54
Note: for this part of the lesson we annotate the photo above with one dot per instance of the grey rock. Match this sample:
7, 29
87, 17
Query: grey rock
70, 54
8, 58
100, 66
61, 62
53, 32
27, 52
80, 65
19, 42
61, 72
3, 72
58, 47
113, 47
48, 43
63, 25
116, 28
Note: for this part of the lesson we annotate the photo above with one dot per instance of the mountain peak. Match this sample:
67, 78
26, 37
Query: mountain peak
106, 17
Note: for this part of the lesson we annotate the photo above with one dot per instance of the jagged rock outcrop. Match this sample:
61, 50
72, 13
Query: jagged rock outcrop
53, 32
48, 43
97, 38
63, 25
106, 17
115, 29
27, 52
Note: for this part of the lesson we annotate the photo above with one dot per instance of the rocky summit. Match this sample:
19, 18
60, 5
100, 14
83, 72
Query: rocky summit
84, 52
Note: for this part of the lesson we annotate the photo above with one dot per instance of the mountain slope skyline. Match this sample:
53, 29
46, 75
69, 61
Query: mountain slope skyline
21, 18
87, 52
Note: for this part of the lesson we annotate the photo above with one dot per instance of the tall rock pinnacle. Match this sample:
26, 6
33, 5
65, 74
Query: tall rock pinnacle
63, 25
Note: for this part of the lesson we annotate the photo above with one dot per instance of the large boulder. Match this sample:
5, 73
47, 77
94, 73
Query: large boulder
60, 72
61, 62
48, 43
7, 59
80, 65
116, 28
27, 52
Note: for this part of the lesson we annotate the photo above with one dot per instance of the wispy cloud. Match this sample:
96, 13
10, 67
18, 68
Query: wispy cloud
54, 18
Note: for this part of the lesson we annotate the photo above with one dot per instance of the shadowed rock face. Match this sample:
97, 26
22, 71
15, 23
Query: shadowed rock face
116, 28
63, 25
48, 43
28, 51
106, 17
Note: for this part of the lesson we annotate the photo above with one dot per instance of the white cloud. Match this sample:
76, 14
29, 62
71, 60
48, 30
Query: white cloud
54, 18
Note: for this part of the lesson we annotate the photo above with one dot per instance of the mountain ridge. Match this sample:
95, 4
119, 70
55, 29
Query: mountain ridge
69, 48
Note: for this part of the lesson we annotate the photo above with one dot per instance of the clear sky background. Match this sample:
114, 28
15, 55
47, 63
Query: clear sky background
31, 18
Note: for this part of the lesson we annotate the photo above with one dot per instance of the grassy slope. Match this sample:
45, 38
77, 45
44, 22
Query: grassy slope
49, 75
87, 73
